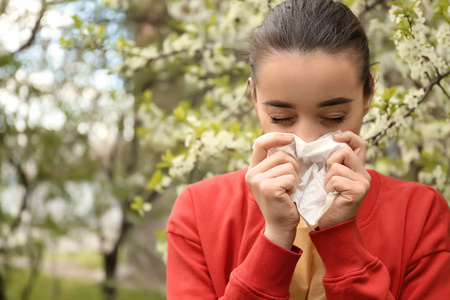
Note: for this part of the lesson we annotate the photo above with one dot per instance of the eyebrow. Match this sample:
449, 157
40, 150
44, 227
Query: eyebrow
278, 103
334, 101
330, 102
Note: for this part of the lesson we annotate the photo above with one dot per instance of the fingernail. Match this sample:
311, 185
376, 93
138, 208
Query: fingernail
337, 134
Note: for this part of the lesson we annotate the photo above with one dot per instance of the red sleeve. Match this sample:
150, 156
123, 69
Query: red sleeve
351, 271
266, 272
428, 271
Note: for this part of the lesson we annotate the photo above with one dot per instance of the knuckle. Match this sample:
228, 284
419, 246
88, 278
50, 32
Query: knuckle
362, 189
330, 161
264, 187
347, 150
259, 143
332, 181
249, 177
366, 185
280, 153
292, 169
368, 177
293, 178
334, 167
329, 188
363, 144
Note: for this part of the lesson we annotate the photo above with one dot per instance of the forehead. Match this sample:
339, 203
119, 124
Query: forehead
316, 77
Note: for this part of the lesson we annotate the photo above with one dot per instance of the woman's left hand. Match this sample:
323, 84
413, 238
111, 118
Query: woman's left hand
347, 176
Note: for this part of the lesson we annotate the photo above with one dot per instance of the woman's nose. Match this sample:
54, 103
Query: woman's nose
307, 131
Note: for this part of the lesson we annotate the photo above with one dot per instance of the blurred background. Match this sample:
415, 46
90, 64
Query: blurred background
109, 108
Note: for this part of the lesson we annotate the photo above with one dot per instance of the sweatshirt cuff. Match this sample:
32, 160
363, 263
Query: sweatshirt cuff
341, 248
269, 267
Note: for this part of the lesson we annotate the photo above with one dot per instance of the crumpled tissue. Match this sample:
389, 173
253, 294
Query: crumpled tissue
311, 198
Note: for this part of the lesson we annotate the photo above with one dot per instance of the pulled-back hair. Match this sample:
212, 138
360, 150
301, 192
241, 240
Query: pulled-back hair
306, 26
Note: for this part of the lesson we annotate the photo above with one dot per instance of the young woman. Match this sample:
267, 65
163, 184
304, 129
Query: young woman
240, 236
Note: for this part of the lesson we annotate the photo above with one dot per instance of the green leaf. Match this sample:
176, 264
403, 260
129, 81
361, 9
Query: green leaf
156, 179
398, 3
216, 127
163, 165
148, 95
222, 80
391, 91
77, 21
121, 43
161, 235
235, 127
168, 157
392, 109
8, 59
140, 206
213, 19
200, 129
208, 101
166, 160
66, 43
398, 11
179, 113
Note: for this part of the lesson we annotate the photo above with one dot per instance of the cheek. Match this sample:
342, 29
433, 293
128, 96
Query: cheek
354, 123
265, 120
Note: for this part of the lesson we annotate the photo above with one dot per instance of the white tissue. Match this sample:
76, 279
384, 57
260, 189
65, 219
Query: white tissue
311, 198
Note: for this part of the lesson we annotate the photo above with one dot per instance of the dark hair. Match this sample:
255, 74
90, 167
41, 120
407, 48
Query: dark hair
305, 26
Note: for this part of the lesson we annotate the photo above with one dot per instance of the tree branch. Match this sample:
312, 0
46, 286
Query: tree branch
443, 90
57, 2
24, 204
4, 4
35, 29
436, 81
112, 157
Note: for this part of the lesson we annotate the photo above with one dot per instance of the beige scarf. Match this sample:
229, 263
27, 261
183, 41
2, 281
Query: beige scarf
307, 280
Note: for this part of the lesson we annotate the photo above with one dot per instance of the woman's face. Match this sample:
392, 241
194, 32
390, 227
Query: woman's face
309, 95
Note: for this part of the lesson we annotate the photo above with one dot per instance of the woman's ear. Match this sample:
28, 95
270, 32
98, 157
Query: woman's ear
368, 99
252, 90
253, 95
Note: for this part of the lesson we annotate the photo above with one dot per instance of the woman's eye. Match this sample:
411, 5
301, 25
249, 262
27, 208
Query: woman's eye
279, 121
334, 120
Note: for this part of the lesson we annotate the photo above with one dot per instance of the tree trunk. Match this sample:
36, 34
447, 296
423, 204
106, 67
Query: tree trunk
109, 285
2, 288
31, 282
34, 251
110, 263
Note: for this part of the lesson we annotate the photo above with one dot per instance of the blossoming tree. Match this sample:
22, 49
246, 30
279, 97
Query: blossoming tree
186, 110
211, 131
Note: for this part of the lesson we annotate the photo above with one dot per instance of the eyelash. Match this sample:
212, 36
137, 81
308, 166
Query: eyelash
335, 120
330, 120
278, 121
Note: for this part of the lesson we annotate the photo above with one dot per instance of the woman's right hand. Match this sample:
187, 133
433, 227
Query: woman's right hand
272, 180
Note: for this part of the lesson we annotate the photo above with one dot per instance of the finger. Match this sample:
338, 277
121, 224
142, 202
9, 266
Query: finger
347, 188
286, 183
339, 184
278, 158
354, 141
280, 170
265, 143
347, 157
340, 170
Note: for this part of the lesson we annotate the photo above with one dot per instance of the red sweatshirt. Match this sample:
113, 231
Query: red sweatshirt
398, 247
